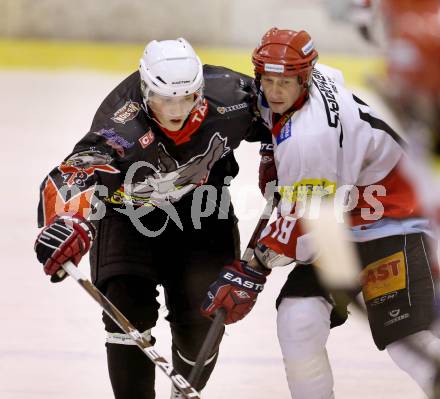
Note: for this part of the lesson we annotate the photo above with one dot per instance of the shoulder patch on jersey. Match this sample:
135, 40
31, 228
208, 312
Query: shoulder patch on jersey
78, 168
127, 112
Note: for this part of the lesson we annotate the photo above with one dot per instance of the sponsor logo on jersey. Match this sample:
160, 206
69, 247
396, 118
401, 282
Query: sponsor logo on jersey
396, 317
285, 133
114, 140
384, 277
274, 68
146, 139
382, 299
326, 88
306, 188
127, 112
236, 107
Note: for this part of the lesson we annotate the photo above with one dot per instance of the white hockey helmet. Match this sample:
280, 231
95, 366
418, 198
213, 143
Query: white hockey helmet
170, 68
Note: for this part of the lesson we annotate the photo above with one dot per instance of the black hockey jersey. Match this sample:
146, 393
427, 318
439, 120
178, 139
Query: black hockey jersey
127, 158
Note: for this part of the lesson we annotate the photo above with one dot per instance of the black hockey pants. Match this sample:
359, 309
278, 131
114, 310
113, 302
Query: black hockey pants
185, 263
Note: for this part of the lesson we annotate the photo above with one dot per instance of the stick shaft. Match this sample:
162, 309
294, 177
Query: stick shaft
178, 380
217, 324
207, 346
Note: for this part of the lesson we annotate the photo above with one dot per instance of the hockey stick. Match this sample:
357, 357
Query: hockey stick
206, 349
218, 322
178, 380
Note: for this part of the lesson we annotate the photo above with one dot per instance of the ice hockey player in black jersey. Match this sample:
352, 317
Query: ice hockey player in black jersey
146, 191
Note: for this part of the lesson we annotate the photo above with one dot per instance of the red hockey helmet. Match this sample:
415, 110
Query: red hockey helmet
285, 52
394, 10
413, 60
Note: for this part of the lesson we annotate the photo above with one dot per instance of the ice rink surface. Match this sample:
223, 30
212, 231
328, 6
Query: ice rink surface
52, 339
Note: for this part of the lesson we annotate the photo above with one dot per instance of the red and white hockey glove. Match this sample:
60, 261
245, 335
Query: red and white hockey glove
267, 172
66, 238
236, 290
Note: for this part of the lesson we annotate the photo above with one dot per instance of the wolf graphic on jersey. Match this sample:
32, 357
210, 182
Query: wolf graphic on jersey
171, 181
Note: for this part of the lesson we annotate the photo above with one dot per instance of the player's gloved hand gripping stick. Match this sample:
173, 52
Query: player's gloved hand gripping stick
70, 237
236, 268
65, 238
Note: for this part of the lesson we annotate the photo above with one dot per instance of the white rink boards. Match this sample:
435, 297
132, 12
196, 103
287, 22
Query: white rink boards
52, 338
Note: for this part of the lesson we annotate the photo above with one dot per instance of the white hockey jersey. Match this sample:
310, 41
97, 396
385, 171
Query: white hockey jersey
337, 141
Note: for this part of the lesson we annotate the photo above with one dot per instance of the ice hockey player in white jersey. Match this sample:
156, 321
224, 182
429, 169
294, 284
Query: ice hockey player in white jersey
326, 139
